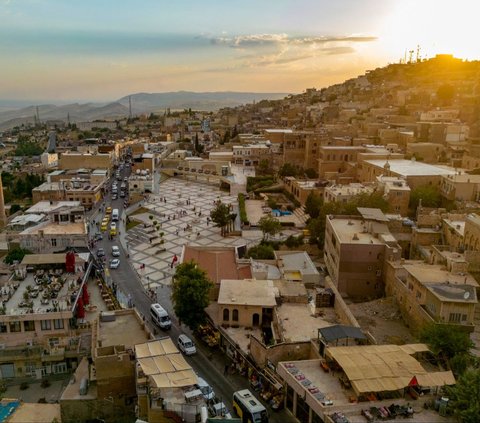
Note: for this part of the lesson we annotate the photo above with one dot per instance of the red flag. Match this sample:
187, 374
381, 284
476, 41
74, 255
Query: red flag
85, 295
80, 309
413, 382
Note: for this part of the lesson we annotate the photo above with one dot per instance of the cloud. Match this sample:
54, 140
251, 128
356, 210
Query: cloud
255, 40
281, 50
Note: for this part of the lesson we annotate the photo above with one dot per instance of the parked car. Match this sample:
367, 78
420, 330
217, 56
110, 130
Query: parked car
207, 391
100, 252
186, 345
114, 263
115, 251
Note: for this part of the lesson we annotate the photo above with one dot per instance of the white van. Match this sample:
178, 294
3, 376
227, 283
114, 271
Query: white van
186, 345
115, 215
160, 316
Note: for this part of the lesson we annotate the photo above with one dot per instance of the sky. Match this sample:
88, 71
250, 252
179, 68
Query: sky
102, 50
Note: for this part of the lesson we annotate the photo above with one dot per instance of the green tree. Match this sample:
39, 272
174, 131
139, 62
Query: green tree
269, 226
16, 254
313, 204
264, 167
311, 173
221, 216
190, 294
445, 94
446, 341
430, 197
261, 252
465, 397
288, 169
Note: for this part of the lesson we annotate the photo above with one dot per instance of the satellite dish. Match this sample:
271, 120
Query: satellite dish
466, 296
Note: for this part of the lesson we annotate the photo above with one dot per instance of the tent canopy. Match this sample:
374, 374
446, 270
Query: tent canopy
378, 368
162, 362
332, 333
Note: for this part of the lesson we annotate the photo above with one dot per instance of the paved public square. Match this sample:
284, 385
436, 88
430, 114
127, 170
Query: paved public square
181, 208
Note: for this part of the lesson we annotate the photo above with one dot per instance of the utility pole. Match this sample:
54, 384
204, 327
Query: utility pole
129, 107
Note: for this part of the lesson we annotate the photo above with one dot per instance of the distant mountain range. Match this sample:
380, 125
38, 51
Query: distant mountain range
141, 103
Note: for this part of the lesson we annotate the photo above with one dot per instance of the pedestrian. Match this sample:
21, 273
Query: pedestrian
225, 369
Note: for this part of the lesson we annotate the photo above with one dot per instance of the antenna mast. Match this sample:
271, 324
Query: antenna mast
129, 106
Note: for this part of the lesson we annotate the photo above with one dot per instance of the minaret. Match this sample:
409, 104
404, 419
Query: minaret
3, 216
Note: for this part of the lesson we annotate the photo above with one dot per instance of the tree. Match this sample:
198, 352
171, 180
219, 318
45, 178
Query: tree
190, 294
288, 169
445, 94
313, 204
430, 197
16, 254
269, 226
264, 167
221, 216
446, 341
465, 397
261, 252
311, 173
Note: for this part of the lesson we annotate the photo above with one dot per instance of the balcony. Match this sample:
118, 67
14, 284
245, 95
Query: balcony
53, 354
20, 353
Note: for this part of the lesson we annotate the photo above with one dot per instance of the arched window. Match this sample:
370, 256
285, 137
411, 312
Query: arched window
226, 314
235, 315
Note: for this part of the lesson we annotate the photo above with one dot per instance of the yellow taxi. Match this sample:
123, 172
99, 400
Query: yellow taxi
108, 210
104, 226
113, 231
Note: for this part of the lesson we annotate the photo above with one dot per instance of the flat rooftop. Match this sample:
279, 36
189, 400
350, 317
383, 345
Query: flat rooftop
57, 293
247, 292
48, 207
36, 413
126, 329
296, 260
346, 228
464, 178
412, 168
434, 274
50, 228
350, 189
72, 390
299, 324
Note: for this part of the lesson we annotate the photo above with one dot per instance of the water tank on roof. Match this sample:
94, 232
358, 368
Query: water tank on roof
84, 386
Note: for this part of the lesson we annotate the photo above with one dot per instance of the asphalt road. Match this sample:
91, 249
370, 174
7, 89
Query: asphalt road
208, 363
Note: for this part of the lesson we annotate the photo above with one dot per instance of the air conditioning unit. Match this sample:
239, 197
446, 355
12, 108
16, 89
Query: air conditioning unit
29, 343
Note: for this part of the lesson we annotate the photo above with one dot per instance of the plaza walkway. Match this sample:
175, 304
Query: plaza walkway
181, 208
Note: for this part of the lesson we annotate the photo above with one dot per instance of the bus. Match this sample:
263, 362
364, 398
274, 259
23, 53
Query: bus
249, 408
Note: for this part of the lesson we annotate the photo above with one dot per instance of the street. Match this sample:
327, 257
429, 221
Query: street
207, 363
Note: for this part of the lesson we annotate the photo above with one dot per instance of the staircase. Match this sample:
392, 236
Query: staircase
301, 216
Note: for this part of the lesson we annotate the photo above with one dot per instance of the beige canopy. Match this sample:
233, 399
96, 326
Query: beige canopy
161, 361
377, 368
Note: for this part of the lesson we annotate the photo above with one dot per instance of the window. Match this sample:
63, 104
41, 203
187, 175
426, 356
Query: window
46, 325
454, 317
54, 242
29, 325
58, 323
226, 314
15, 327
30, 368
3, 328
419, 295
235, 315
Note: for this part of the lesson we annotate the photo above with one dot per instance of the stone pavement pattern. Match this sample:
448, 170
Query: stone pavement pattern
157, 258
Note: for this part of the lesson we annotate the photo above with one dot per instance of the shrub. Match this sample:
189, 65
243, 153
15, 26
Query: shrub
264, 252
24, 385
45, 383
243, 211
